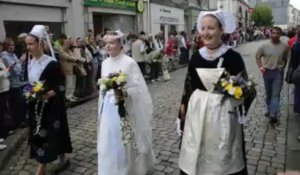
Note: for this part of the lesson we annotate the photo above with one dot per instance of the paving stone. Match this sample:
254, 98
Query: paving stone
254, 153
159, 167
80, 169
271, 170
158, 173
261, 168
278, 160
24, 173
277, 165
271, 154
264, 163
266, 158
165, 153
252, 162
251, 172
251, 157
259, 146
169, 170
163, 157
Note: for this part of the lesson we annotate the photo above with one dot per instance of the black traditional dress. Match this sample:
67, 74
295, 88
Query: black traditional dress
211, 127
53, 138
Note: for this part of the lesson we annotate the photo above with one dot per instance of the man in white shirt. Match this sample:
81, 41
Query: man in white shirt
158, 43
184, 52
138, 52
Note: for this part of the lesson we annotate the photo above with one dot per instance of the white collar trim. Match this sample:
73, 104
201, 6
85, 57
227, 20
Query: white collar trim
218, 53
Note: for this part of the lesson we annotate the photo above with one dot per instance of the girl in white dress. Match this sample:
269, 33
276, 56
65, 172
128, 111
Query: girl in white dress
134, 155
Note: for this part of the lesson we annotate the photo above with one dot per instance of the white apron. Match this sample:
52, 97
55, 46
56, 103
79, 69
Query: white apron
212, 141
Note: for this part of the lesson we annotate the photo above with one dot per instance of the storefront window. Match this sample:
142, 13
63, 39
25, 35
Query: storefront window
172, 28
14, 28
125, 23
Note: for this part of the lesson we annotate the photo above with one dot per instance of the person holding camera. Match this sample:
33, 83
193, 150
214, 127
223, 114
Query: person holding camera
16, 100
67, 63
4, 88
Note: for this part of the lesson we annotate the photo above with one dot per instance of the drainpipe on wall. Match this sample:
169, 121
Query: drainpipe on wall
148, 16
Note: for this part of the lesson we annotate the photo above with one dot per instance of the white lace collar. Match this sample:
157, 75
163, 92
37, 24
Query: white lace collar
37, 66
218, 53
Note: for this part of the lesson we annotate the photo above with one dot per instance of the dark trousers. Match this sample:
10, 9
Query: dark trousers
89, 79
17, 106
273, 80
142, 66
80, 86
155, 68
3, 111
297, 99
184, 55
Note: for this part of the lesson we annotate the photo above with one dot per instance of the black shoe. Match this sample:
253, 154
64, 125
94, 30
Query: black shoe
62, 166
23, 125
273, 122
267, 114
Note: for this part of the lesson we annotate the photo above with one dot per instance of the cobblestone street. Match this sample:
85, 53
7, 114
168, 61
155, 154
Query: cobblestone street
265, 146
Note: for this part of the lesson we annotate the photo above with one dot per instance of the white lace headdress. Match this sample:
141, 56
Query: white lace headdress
116, 35
40, 32
226, 18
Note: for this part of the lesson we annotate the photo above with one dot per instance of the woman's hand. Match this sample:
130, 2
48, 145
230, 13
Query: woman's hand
182, 112
23, 58
50, 94
10, 68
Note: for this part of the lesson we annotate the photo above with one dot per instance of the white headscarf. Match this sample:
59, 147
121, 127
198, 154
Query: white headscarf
227, 19
40, 32
119, 35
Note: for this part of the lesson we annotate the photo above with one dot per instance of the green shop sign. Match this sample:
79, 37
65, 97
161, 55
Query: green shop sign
120, 4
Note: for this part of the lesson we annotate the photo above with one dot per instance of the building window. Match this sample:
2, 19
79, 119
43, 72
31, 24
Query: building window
199, 2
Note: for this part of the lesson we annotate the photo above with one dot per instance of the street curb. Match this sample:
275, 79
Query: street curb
13, 142
82, 100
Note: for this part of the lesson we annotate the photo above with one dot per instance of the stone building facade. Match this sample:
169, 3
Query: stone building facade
240, 8
280, 10
62, 16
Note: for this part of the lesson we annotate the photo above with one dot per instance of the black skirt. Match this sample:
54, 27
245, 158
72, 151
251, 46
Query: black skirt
53, 138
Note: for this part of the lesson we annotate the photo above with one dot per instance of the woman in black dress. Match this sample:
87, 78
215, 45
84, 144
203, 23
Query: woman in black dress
212, 140
49, 138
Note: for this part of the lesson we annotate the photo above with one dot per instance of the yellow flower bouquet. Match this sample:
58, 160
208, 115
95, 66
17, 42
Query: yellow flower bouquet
236, 86
34, 91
